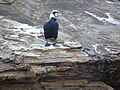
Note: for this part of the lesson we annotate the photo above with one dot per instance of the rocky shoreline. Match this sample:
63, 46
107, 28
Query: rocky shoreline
88, 52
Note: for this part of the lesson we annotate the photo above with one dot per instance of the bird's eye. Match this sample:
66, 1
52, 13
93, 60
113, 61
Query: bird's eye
56, 14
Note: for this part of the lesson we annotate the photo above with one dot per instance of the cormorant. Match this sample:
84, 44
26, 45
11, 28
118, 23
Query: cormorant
51, 27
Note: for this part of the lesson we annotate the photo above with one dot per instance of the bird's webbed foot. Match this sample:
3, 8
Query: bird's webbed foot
55, 45
47, 44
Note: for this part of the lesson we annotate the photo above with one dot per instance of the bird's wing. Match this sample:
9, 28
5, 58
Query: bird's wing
57, 26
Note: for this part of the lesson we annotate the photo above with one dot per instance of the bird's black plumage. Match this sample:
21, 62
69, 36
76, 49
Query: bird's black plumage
51, 29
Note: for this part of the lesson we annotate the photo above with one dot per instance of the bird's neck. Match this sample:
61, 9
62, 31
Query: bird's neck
52, 15
53, 19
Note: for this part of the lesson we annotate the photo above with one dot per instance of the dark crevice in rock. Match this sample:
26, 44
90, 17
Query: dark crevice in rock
105, 69
109, 69
111, 74
7, 2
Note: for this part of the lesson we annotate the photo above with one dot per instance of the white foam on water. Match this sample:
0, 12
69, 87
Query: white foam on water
31, 30
95, 48
25, 28
43, 47
109, 50
110, 19
109, 2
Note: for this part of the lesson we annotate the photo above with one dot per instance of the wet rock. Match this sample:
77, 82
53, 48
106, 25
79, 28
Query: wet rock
88, 28
66, 66
38, 70
10, 59
15, 76
97, 86
72, 44
74, 84
6, 2
33, 86
64, 83
5, 54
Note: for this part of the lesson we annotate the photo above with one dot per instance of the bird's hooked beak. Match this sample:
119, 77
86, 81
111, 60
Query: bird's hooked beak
55, 14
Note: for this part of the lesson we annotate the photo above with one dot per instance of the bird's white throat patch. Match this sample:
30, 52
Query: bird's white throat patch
52, 15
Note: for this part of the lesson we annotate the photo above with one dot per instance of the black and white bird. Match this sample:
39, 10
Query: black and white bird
51, 27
